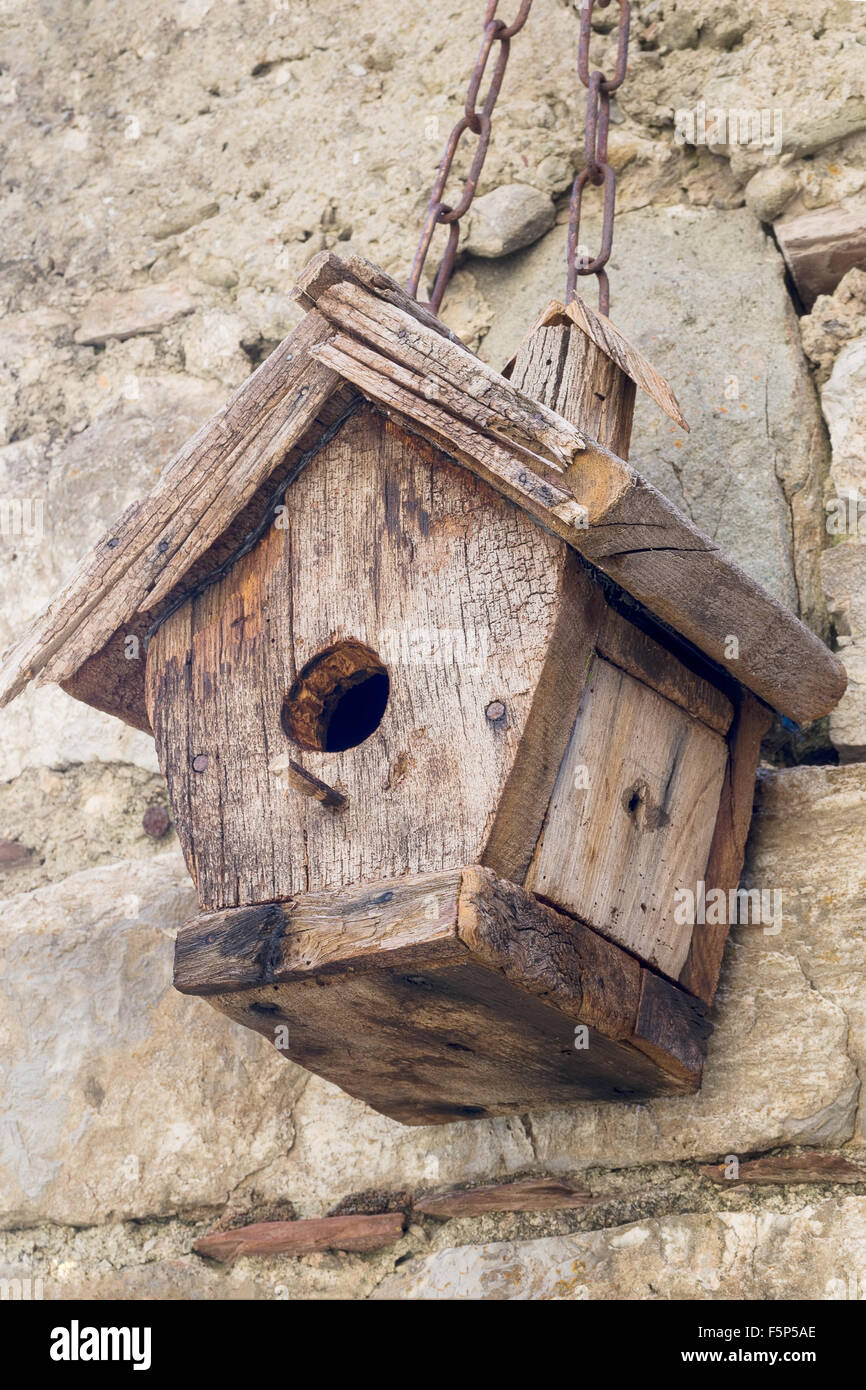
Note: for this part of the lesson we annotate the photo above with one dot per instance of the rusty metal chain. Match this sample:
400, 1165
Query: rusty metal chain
477, 123
596, 169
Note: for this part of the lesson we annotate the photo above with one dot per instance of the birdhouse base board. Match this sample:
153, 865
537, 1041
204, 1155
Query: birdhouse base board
447, 996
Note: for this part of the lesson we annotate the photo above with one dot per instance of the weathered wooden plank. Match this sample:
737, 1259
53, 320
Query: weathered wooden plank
519, 475
444, 1039
559, 365
788, 1168
821, 246
112, 679
455, 378
155, 541
606, 336
329, 932
326, 270
305, 1237
599, 330
520, 811
631, 817
552, 956
440, 1010
658, 557
671, 1027
320, 932
633, 650
478, 414
526, 1194
700, 972
628, 522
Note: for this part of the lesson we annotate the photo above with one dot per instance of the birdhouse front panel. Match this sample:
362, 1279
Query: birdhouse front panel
388, 634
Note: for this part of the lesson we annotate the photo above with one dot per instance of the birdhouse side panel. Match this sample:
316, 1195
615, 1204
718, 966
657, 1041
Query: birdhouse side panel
637, 800
386, 553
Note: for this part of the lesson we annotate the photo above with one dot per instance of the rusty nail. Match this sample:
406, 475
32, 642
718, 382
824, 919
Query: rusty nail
155, 822
495, 711
200, 762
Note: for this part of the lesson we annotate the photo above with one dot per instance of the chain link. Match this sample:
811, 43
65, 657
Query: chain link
477, 123
596, 169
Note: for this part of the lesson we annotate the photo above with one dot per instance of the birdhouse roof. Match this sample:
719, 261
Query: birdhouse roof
363, 336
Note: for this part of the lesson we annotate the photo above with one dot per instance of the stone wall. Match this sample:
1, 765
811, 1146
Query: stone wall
168, 171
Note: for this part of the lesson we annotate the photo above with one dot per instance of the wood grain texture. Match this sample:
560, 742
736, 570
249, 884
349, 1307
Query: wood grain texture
108, 679
559, 365
624, 645
526, 1194
444, 1040
298, 779
388, 543
111, 681
317, 933
528, 479
700, 972
520, 811
601, 332
454, 378
325, 270
588, 978
631, 817
701, 595
671, 1026
442, 1000
305, 1237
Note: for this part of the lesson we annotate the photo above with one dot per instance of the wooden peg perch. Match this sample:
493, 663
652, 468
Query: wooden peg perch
297, 779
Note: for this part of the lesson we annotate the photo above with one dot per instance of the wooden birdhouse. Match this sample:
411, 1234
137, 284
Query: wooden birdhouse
450, 703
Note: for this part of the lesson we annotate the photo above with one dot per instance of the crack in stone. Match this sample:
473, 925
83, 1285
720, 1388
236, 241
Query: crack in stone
526, 1124
849, 1049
